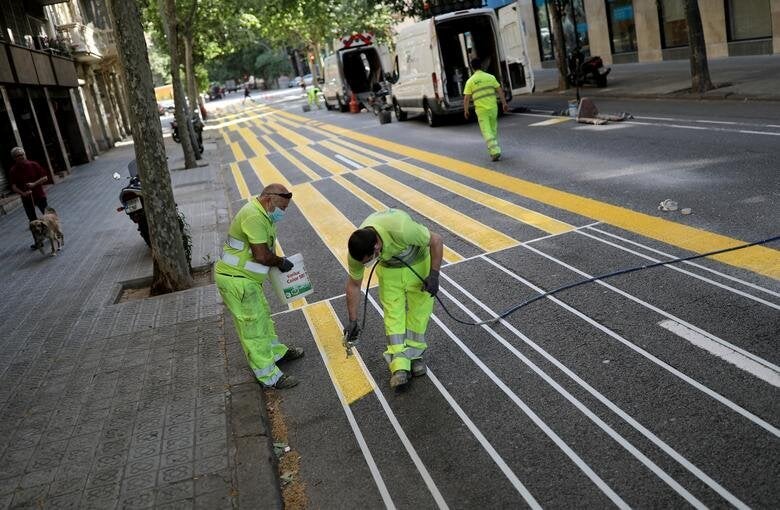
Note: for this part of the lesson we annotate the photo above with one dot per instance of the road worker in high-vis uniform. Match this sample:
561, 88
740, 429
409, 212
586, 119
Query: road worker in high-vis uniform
482, 88
394, 240
247, 256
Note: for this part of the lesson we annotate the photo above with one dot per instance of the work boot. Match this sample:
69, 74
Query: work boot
419, 368
284, 382
399, 378
495, 157
292, 353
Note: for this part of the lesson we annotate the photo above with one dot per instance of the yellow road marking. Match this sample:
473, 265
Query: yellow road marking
261, 126
449, 255
292, 136
267, 173
243, 189
460, 224
292, 159
325, 162
550, 122
238, 153
363, 150
251, 139
354, 156
330, 224
347, 373
759, 259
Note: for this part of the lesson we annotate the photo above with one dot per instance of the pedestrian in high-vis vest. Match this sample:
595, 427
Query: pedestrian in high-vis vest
393, 240
482, 88
247, 256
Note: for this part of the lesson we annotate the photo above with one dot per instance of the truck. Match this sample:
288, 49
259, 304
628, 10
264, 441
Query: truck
358, 66
433, 56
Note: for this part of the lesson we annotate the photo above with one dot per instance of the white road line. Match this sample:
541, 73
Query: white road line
380, 483
565, 448
732, 123
717, 396
549, 236
688, 273
348, 161
716, 349
659, 311
701, 128
550, 122
595, 393
689, 263
518, 485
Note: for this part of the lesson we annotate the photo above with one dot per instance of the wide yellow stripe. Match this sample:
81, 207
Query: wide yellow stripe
347, 373
330, 224
261, 126
243, 189
354, 156
238, 153
251, 139
292, 159
292, 136
480, 235
759, 259
325, 162
449, 254
267, 173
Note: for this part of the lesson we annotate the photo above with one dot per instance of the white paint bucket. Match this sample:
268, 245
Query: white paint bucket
292, 285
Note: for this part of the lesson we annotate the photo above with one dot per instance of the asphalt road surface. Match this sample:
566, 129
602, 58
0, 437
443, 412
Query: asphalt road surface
655, 389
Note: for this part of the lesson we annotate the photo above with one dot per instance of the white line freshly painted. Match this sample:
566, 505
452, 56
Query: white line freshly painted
603, 127
723, 352
372, 467
730, 123
347, 161
603, 399
550, 122
702, 128
696, 384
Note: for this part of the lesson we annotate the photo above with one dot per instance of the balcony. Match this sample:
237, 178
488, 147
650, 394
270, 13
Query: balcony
88, 45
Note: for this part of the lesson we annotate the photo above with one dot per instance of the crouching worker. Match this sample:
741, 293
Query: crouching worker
393, 239
239, 274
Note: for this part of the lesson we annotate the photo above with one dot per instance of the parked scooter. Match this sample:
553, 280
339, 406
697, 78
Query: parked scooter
197, 124
379, 104
586, 70
131, 198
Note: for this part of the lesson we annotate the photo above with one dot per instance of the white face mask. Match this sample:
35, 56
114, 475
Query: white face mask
373, 259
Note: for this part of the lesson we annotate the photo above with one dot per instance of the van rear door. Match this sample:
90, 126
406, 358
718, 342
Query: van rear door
512, 30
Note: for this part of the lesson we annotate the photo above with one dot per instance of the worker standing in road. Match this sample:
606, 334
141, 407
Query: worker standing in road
247, 256
394, 240
482, 88
313, 96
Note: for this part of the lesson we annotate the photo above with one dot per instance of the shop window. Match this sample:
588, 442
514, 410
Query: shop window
575, 28
674, 27
544, 31
622, 30
749, 19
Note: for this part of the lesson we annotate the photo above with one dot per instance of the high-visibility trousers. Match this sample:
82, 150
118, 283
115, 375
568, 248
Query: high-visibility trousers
488, 125
247, 304
407, 311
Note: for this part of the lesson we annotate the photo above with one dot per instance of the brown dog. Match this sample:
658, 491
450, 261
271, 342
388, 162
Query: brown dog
48, 226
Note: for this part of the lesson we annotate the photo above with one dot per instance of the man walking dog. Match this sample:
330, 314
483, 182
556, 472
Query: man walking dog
27, 178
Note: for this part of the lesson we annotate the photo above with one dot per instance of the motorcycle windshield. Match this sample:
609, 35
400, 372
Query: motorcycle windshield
132, 168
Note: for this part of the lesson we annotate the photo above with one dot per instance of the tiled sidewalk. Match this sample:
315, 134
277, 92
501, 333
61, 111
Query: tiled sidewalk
127, 405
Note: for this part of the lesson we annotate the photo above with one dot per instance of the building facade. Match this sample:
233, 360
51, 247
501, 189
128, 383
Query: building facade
622, 31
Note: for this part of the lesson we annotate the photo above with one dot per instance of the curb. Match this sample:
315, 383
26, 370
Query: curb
722, 96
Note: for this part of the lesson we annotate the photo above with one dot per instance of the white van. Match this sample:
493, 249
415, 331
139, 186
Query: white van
358, 66
432, 60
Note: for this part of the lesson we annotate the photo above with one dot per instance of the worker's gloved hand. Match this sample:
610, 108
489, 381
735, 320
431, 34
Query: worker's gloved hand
352, 331
431, 283
286, 265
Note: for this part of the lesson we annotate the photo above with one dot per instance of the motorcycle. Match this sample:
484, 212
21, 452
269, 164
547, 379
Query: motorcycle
379, 104
131, 198
197, 124
587, 70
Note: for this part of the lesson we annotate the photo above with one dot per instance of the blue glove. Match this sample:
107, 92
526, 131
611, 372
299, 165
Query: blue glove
431, 283
286, 265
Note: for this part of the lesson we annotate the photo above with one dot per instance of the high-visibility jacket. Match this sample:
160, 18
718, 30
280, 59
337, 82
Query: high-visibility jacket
251, 225
482, 88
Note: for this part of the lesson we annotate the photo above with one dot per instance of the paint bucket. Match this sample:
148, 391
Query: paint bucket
292, 285
573, 108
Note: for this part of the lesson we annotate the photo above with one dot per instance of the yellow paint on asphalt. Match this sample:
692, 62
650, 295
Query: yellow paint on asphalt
550, 122
292, 159
347, 372
464, 226
292, 136
251, 140
262, 127
759, 259
349, 154
449, 255
325, 162
238, 153
267, 173
330, 224
243, 189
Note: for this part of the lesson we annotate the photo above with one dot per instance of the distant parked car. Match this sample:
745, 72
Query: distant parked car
308, 79
295, 82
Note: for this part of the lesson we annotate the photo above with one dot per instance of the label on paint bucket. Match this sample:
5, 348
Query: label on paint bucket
292, 285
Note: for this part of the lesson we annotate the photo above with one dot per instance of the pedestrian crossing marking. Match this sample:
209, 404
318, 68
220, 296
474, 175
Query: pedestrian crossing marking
334, 167
243, 189
460, 224
292, 136
261, 126
238, 152
354, 156
450, 255
330, 224
292, 159
267, 173
346, 371
252, 141
550, 122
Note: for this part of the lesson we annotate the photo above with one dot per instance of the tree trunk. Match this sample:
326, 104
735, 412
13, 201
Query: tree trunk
700, 70
171, 271
168, 15
555, 9
189, 70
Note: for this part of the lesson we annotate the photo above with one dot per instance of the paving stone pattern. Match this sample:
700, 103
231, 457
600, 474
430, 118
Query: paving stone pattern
107, 405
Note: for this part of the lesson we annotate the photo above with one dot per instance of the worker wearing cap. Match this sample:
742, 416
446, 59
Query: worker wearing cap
394, 240
247, 256
482, 88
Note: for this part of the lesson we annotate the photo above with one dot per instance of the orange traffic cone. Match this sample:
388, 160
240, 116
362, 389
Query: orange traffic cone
354, 106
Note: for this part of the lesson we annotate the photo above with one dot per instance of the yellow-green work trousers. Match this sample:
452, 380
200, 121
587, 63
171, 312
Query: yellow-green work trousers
488, 125
247, 304
407, 311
